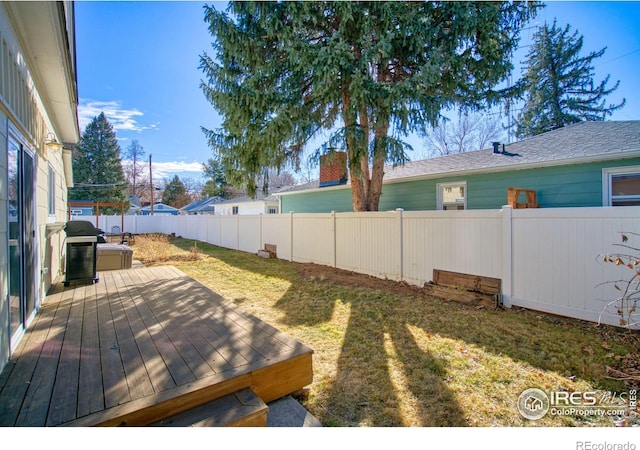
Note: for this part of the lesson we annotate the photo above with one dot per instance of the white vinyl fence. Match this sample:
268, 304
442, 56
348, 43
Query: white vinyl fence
547, 259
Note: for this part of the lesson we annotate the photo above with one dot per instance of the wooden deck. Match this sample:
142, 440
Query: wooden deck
139, 346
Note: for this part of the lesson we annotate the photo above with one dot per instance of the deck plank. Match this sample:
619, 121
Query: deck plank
14, 380
115, 390
137, 377
176, 365
219, 338
90, 387
160, 376
44, 349
183, 298
65, 389
231, 339
187, 344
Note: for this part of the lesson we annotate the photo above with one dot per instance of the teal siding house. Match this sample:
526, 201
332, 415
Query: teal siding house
584, 164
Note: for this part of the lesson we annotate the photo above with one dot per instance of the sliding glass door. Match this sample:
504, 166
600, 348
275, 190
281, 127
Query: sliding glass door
22, 226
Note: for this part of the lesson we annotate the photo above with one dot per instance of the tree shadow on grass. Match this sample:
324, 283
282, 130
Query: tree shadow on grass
385, 379
381, 371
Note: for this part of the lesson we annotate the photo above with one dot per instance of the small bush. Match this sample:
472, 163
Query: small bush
152, 248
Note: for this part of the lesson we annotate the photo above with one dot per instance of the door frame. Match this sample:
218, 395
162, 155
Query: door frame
28, 269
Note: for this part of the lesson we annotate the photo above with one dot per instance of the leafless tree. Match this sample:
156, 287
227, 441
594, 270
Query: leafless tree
465, 133
193, 188
278, 180
134, 167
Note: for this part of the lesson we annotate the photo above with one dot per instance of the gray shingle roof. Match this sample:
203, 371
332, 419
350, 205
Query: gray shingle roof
202, 205
246, 199
580, 142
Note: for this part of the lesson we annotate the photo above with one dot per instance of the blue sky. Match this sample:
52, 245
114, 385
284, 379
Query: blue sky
138, 62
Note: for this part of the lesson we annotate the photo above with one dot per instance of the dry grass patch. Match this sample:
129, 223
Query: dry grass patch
156, 248
387, 354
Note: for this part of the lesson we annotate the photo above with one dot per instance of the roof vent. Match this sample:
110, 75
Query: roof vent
496, 147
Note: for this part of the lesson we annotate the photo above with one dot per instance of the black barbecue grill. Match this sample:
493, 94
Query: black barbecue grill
82, 239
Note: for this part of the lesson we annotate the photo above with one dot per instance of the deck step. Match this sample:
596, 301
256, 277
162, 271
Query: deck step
242, 408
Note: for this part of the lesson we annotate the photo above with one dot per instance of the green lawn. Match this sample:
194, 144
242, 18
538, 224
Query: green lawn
386, 354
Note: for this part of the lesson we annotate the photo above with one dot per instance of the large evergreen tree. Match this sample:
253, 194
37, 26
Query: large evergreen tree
97, 171
216, 181
559, 84
175, 193
283, 72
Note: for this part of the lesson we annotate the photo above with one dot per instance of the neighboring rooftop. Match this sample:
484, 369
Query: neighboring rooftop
580, 142
202, 206
245, 198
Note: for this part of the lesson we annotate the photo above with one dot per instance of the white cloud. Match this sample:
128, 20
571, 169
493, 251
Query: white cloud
166, 170
119, 117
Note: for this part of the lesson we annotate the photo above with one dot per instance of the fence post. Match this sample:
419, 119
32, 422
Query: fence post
507, 255
291, 236
237, 231
401, 238
261, 246
333, 232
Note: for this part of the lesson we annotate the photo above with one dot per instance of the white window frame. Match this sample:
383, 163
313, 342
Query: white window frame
607, 178
440, 189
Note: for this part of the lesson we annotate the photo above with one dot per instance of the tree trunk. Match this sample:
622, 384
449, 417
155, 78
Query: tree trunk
364, 162
357, 187
377, 174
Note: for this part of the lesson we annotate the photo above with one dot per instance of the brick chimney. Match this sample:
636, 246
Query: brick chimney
333, 169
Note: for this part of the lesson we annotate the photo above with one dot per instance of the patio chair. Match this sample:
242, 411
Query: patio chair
115, 231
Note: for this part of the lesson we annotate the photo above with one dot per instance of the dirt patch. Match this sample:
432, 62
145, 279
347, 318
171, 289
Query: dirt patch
315, 272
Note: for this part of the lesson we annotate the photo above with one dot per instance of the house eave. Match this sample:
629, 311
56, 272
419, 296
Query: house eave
485, 170
525, 166
47, 35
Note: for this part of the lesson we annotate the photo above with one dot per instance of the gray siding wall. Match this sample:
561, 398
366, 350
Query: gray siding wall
577, 185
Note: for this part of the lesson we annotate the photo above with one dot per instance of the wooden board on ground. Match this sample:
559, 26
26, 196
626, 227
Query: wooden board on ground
462, 296
470, 289
483, 285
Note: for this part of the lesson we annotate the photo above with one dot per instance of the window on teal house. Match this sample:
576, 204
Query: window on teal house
621, 186
452, 196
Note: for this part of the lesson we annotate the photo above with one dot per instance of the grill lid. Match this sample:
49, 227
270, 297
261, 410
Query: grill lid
81, 228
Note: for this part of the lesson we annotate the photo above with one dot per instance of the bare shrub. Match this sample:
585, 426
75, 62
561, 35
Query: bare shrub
626, 304
152, 248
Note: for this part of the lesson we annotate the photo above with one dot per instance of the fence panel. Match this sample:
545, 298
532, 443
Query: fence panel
548, 259
214, 230
146, 224
229, 232
556, 264
369, 243
201, 230
276, 230
313, 238
249, 233
459, 241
